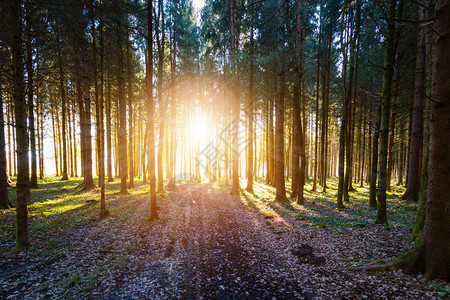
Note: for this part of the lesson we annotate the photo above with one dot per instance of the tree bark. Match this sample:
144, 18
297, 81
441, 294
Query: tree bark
279, 108
101, 128
388, 74
23, 184
235, 107
63, 110
150, 116
4, 201
250, 112
432, 255
108, 133
130, 116
122, 115
413, 182
30, 77
161, 100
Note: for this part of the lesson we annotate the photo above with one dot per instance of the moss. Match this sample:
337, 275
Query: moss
420, 217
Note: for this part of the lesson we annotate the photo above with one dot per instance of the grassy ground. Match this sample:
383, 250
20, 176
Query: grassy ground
57, 204
60, 204
320, 208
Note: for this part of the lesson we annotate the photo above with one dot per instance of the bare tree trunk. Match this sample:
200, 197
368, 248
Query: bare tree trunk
75, 163
413, 177
101, 129
342, 187
130, 116
30, 78
298, 148
374, 160
250, 112
235, 107
279, 108
122, 134
55, 147
271, 163
388, 73
150, 116
63, 109
23, 184
108, 133
352, 80
4, 201
161, 101
431, 256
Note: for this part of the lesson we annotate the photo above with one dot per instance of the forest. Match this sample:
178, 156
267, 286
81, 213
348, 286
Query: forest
224, 149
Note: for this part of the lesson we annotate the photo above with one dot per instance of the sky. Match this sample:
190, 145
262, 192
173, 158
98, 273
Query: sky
198, 4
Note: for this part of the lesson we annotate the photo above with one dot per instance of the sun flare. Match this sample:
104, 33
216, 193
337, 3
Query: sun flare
199, 128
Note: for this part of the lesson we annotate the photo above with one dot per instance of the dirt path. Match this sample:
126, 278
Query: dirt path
214, 248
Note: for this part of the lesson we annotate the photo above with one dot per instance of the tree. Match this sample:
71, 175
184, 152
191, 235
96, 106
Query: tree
162, 103
413, 184
4, 201
298, 147
150, 116
235, 105
279, 108
30, 77
122, 134
388, 73
23, 182
100, 127
251, 112
431, 255
63, 110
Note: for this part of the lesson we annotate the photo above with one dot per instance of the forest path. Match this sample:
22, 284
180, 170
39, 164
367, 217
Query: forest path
206, 244
212, 246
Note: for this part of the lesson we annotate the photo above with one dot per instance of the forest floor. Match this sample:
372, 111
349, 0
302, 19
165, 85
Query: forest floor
206, 244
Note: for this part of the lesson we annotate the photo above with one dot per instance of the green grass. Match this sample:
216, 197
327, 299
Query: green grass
320, 209
58, 204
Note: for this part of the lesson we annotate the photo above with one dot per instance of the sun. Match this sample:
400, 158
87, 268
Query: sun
199, 128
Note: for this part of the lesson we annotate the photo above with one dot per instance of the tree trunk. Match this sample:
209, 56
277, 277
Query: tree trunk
413, 181
271, 162
4, 201
101, 129
342, 187
30, 77
23, 184
279, 108
150, 116
130, 116
316, 135
250, 112
391, 139
432, 255
63, 109
298, 147
108, 133
388, 74
349, 90
161, 100
235, 107
75, 164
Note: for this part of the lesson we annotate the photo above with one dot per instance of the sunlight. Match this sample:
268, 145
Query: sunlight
199, 128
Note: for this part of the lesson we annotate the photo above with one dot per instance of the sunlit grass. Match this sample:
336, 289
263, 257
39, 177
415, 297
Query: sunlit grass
320, 209
61, 203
